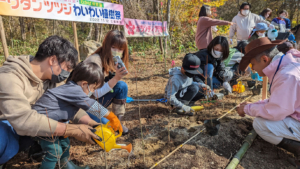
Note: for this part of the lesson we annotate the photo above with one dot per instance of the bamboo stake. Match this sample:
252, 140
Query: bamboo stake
193, 137
162, 21
239, 155
3, 39
76, 39
265, 88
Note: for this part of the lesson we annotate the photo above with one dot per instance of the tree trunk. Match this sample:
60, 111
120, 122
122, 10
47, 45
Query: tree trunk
101, 30
22, 28
168, 24
96, 32
153, 17
90, 32
160, 38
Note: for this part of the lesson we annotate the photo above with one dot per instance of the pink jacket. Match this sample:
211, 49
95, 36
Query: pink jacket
285, 91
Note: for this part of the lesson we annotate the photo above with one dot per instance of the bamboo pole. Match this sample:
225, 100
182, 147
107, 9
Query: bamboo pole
76, 39
265, 88
193, 137
3, 38
239, 155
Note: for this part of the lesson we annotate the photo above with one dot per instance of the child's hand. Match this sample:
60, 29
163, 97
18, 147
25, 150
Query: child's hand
120, 73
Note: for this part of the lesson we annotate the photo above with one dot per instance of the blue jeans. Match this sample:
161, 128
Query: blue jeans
9, 142
212, 81
119, 92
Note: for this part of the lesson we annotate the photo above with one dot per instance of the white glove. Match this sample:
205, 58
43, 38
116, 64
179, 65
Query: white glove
271, 27
227, 86
210, 95
187, 109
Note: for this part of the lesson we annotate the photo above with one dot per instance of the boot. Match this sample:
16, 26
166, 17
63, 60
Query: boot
125, 129
181, 111
65, 163
293, 147
118, 107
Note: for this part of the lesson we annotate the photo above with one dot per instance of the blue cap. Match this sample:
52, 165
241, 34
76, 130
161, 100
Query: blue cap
260, 27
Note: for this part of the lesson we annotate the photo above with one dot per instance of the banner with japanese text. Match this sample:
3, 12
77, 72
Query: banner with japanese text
69, 10
144, 28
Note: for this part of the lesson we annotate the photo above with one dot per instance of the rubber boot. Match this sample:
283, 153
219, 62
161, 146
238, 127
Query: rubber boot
65, 163
119, 110
293, 147
181, 111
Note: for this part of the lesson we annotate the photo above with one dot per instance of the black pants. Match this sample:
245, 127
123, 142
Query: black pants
190, 93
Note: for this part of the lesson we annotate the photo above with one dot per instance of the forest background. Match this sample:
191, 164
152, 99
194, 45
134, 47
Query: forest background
24, 34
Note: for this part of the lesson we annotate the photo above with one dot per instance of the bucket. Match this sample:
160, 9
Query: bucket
251, 83
256, 90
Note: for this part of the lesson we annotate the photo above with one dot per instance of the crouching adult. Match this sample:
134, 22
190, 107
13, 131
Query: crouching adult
23, 82
277, 118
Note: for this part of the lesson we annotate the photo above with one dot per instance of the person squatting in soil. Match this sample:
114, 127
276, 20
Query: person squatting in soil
62, 103
113, 91
212, 63
181, 91
26, 79
277, 118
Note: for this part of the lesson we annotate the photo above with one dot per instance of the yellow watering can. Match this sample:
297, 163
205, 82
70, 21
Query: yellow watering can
240, 88
108, 137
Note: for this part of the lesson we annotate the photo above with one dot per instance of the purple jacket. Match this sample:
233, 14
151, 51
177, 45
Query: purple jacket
285, 92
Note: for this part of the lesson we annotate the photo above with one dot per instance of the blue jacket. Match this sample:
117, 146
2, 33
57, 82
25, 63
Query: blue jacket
288, 23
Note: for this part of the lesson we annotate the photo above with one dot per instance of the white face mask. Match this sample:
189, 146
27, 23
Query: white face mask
216, 54
267, 16
245, 12
209, 13
116, 52
282, 16
261, 35
90, 93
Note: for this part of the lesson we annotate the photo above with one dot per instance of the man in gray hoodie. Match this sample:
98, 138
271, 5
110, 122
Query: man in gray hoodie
181, 91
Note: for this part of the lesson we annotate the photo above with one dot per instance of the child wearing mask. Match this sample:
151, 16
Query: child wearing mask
258, 32
181, 91
217, 74
63, 102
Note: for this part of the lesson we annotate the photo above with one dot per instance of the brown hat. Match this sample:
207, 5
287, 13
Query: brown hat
255, 48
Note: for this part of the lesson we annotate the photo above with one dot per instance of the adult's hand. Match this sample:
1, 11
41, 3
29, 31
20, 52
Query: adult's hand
231, 23
120, 73
230, 41
240, 110
81, 132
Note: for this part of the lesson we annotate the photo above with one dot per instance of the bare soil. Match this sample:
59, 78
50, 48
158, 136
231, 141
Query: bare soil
204, 151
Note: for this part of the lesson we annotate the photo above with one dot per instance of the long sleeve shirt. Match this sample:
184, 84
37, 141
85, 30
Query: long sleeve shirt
285, 92
204, 33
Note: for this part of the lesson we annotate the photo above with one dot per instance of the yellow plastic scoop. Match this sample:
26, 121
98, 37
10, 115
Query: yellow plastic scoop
109, 138
197, 108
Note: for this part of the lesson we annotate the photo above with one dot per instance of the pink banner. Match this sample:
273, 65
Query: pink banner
144, 28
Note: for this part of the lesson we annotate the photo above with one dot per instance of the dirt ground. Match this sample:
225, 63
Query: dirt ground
204, 151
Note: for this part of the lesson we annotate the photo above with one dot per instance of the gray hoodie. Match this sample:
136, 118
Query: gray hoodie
177, 81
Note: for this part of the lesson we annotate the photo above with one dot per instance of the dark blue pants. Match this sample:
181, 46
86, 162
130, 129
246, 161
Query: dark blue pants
9, 142
119, 92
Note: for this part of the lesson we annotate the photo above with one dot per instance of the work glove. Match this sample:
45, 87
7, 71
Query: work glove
204, 86
227, 86
271, 27
230, 42
187, 109
81, 132
114, 122
93, 123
